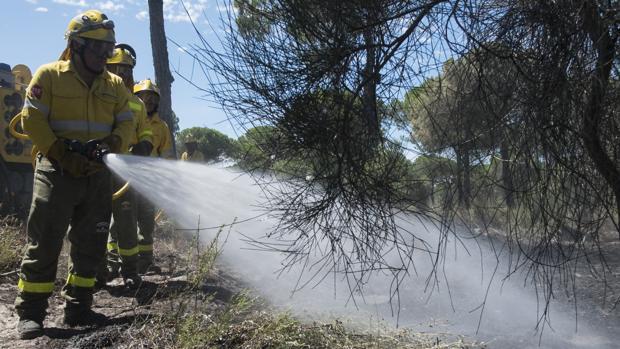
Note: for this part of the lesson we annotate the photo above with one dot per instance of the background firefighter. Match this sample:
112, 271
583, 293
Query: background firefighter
148, 92
192, 153
123, 240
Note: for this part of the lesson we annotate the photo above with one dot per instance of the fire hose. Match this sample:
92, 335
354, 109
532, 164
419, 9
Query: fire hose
92, 150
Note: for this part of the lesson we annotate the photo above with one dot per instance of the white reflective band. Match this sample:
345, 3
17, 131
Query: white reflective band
124, 116
135, 106
145, 133
38, 105
79, 125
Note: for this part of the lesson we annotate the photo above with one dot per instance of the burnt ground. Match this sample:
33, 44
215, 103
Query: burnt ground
160, 293
597, 289
131, 313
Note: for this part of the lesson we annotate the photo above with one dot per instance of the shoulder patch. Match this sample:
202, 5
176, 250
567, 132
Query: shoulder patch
35, 91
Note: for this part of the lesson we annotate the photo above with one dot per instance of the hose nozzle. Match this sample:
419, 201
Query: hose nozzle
94, 149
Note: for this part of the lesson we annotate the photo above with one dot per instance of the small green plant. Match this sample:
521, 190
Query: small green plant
204, 259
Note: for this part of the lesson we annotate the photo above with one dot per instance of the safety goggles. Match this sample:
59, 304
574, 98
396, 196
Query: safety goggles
148, 97
120, 69
88, 26
100, 48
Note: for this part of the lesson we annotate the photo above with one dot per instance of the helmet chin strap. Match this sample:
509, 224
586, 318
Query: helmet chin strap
89, 69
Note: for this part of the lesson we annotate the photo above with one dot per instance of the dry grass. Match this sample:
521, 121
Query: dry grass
12, 243
241, 324
196, 320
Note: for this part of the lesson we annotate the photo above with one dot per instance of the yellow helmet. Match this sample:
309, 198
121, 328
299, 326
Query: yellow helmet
123, 54
91, 24
146, 85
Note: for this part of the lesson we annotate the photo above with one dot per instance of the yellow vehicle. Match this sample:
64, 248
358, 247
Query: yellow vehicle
16, 172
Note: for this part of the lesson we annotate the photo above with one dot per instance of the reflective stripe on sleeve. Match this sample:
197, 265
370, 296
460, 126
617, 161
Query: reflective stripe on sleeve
124, 116
112, 246
38, 105
80, 126
135, 106
79, 281
128, 252
145, 133
145, 248
35, 287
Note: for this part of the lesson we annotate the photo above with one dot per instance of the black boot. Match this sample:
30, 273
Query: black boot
29, 329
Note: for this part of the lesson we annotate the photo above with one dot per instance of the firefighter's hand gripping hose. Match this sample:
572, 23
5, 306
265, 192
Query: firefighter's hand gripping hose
74, 161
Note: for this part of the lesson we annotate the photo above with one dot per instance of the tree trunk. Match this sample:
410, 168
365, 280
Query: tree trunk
163, 77
371, 76
605, 49
463, 181
506, 174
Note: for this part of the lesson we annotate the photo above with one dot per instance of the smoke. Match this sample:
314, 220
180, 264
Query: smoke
468, 295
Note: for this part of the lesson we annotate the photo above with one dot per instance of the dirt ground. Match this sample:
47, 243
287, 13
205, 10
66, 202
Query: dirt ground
128, 310
123, 307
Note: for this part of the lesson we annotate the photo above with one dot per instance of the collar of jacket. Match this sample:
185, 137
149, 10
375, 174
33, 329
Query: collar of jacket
65, 66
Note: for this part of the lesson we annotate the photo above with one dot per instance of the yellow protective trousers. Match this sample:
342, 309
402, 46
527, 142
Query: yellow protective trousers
146, 225
123, 240
59, 201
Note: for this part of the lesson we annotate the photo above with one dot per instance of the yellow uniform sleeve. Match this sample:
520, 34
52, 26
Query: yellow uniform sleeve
36, 111
143, 129
165, 149
123, 125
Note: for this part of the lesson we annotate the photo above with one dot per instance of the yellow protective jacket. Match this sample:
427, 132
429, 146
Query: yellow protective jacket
141, 126
196, 156
59, 104
162, 140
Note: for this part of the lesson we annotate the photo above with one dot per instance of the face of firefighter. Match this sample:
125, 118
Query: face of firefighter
124, 71
150, 99
96, 53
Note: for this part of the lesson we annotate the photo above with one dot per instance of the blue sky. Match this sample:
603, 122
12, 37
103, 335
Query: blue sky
33, 34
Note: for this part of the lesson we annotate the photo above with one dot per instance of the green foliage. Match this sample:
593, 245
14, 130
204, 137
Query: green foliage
204, 259
256, 146
251, 18
212, 143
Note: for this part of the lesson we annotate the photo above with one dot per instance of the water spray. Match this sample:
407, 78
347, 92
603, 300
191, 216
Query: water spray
206, 199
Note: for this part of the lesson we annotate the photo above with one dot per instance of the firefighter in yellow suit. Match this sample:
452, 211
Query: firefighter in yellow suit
192, 153
123, 241
149, 93
73, 99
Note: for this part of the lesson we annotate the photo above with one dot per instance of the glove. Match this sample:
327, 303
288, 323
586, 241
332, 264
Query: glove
112, 142
76, 164
143, 148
